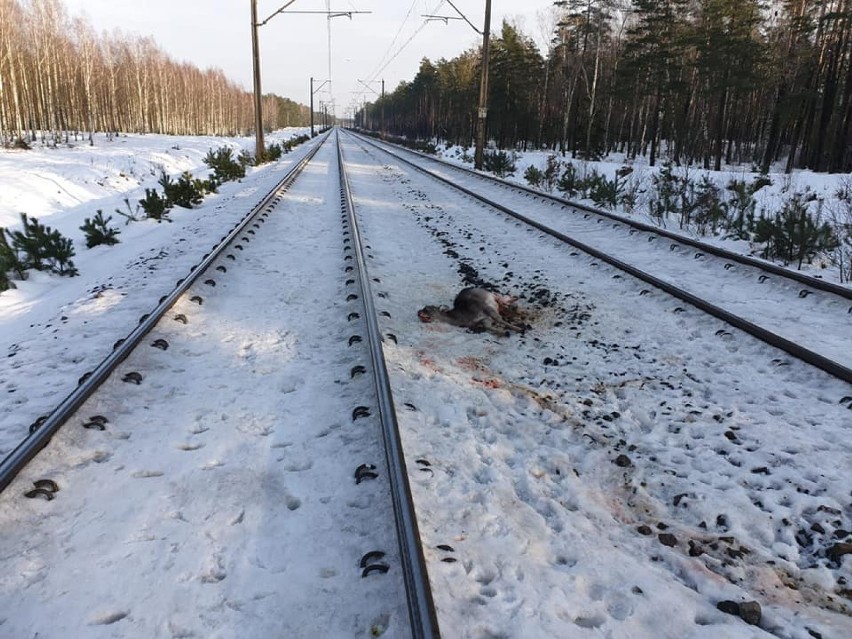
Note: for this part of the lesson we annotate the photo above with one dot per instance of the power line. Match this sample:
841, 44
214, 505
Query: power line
382, 66
393, 42
464, 17
406, 43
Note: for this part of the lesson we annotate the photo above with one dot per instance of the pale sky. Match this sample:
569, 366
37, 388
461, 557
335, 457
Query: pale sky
294, 47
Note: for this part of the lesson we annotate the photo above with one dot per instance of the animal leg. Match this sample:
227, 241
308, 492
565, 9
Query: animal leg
497, 320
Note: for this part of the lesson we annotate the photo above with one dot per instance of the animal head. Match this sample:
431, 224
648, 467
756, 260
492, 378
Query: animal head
427, 313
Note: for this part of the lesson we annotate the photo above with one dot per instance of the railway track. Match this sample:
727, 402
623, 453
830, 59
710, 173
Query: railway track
232, 405
626, 452
624, 456
421, 608
43, 429
762, 299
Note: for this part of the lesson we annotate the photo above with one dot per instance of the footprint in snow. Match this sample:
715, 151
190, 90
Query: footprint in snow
189, 447
292, 503
619, 607
298, 466
215, 571
592, 621
108, 618
146, 474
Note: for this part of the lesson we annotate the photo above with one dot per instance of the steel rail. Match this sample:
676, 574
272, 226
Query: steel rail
421, 608
802, 278
41, 434
806, 355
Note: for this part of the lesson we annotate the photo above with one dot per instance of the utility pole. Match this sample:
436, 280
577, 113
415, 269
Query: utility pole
313, 91
482, 113
382, 111
258, 115
483, 91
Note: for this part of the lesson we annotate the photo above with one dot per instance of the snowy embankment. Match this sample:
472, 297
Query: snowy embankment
828, 197
61, 327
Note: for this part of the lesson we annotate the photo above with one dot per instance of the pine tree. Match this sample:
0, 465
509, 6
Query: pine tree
793, 234
41, 248
225, 167
654, 62
9, 260
514, 88
155, 206
533, 175
184, 192
728, 57
98, 231
584, 33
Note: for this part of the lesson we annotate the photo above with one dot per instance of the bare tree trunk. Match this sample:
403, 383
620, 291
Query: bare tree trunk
720, 125
654, 131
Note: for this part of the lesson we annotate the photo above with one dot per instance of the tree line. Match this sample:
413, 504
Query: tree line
699, 82
58, 77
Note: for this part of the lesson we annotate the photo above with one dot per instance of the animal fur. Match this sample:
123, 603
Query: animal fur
477, 309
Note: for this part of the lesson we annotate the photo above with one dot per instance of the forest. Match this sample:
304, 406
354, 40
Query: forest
692, 82
59, 77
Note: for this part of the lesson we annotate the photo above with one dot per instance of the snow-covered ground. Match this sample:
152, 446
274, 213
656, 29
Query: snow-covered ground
617, 471
617, 427
773, 303
828, 194
190, 514
62, 187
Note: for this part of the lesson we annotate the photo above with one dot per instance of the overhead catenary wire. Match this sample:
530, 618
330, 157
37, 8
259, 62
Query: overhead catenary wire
464, 17
395, 38
384, 65
377, 73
